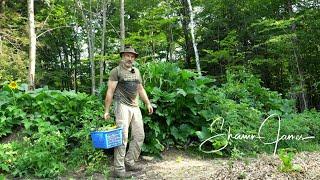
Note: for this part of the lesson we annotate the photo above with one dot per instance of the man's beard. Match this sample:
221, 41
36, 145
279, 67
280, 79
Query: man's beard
127, 64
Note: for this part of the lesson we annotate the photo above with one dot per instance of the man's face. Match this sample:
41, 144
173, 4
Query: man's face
128, 59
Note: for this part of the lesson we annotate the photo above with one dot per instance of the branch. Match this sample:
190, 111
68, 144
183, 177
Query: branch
12, 43
11, 39
115, 30
51, 30
78, 3
45, 21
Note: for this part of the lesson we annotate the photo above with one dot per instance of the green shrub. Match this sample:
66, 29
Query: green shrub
55, 125
7, 157
186, 106
188, 110
42, 156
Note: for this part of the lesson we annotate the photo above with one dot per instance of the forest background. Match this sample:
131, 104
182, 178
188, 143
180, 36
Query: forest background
257, 58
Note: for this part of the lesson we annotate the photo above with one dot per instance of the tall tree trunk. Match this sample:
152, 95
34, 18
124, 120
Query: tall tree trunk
122, 27
288, 7
153, 46
185, 19
92, 63
0, 45
32, 48
66, 69
77, 66
171, 43
62, 67
168, 44
192, 25
91, 54
90, 36
103, 41
72, 62
303, 94
3, 4
76, 48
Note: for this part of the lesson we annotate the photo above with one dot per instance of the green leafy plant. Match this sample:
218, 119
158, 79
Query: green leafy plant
55, 124
186, 109
286, 156
187, 105
11, 113
7, 157
42, 154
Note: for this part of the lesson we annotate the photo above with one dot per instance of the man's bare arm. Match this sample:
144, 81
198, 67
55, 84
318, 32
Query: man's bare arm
109, 96
144, 97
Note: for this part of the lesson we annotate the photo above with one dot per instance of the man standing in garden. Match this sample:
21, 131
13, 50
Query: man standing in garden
125, 85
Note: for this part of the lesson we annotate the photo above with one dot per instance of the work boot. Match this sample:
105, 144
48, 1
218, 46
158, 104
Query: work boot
133, 168
122, 174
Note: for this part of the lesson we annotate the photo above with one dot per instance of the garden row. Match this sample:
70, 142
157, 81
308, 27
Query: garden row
53, 127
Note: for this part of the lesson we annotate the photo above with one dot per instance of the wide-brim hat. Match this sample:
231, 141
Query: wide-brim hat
129, 49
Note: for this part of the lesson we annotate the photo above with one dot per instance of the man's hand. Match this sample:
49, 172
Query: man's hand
150, 108
106, 116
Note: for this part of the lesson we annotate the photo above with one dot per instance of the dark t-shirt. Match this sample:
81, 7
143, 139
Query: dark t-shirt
127, 88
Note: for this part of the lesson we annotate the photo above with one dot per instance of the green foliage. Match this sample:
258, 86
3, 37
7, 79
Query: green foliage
56, 129
286, 156
13, 42
41, 155
86, 155
251, 48
12, 61
159, 25
190, 109
305, 124
7, 157
11, 114
174, 93
102, 92
229, 53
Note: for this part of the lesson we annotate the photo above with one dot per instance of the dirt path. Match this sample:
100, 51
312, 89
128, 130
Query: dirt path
178, 165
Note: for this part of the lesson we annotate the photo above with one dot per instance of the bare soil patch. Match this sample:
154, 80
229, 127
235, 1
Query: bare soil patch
179, 165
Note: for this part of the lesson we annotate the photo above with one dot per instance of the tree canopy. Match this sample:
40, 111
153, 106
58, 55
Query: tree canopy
277, 41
